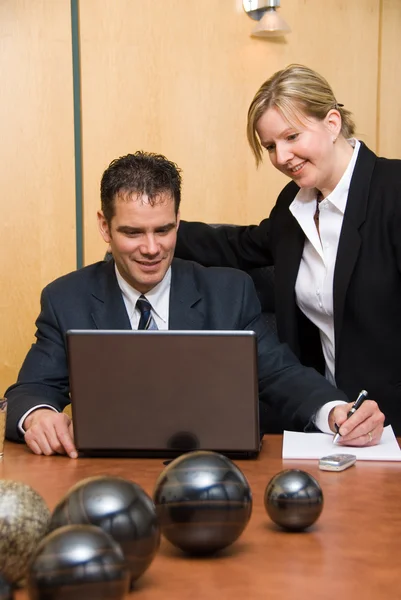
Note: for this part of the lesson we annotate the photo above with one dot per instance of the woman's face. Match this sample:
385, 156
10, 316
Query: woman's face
303, 151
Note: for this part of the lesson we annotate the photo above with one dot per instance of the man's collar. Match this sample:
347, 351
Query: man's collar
155, 296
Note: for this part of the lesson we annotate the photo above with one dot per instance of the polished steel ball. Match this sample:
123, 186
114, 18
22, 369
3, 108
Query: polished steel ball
24, 521
293, 499
203, 502
78, 562
122, 509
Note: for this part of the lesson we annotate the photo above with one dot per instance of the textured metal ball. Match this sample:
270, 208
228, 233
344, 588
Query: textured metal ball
203, 502
293, 499
122, 509
24, 521
78, 562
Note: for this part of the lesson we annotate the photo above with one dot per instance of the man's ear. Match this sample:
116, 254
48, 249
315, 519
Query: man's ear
333, 122
103, 227
178, 219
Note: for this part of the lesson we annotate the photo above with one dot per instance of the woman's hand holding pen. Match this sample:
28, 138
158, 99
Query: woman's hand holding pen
363, 428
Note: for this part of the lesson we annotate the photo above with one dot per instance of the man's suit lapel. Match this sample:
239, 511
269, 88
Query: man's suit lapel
109, 310
185, 300
350, 239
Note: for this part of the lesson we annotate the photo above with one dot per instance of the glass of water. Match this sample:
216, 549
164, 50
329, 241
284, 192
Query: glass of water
3, 415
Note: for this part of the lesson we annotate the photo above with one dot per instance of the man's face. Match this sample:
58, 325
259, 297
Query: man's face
142, 238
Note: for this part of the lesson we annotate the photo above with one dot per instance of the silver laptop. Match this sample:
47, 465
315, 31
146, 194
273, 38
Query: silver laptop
161, 393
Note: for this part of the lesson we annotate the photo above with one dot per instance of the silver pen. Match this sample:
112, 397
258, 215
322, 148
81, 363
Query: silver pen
363, 394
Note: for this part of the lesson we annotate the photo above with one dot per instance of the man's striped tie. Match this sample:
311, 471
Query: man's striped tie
146, 320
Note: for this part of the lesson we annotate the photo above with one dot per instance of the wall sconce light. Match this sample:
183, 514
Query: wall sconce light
270, 23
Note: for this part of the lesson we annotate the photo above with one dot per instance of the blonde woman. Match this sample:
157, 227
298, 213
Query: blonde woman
334, 237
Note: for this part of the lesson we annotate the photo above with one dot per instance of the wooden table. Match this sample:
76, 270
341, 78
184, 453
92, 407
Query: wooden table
352, 552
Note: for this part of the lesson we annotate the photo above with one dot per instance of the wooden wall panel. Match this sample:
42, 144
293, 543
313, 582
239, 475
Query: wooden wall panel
36, 166
177, 78
389, 113
169, 76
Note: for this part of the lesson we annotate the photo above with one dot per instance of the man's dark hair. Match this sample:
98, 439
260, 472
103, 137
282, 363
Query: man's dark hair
139, 173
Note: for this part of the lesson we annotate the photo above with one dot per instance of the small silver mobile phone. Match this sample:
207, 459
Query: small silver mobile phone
336, 462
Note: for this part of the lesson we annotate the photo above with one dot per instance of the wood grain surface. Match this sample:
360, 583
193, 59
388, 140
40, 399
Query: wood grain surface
352, 551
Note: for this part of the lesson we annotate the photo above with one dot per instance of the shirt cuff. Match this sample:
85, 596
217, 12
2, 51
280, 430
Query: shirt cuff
321, 418
28, 412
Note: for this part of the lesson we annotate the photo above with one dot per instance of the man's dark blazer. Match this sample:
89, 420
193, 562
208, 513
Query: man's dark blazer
367, 279
200, 299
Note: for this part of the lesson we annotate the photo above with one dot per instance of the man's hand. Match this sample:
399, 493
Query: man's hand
48, 432
363, 428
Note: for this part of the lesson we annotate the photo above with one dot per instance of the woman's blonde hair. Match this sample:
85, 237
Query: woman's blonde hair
296, 89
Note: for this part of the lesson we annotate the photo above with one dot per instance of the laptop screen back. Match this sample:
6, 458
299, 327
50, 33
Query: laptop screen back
164, 390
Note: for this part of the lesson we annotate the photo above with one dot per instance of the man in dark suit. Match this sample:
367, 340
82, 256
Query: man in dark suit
140, 196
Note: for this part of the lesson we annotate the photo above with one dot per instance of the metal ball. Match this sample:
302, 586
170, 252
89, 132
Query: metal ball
78, 562
203, 502
293, 499
122, 509
24, 521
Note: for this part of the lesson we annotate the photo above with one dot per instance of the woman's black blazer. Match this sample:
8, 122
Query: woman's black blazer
367, 278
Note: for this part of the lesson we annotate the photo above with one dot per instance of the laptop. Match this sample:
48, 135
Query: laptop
162, 393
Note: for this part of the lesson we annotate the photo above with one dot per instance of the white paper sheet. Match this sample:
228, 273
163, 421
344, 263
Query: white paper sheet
316, 445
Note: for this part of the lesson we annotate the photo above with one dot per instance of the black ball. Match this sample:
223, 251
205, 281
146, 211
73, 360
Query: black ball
203, 502
293, 499
78, 562
122, 509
